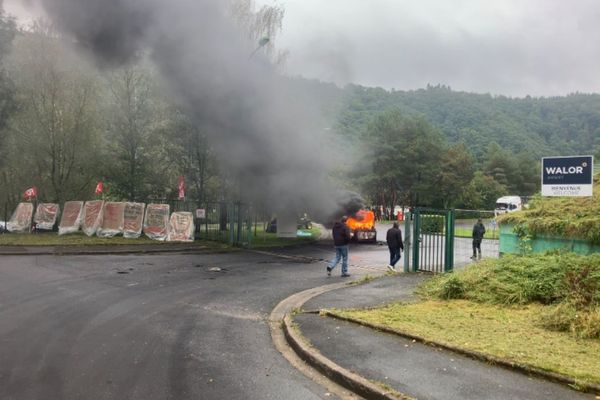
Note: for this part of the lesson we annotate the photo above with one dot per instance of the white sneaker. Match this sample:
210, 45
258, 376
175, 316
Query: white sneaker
391, 268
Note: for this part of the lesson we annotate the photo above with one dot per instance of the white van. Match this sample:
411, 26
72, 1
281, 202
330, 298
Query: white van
508, 204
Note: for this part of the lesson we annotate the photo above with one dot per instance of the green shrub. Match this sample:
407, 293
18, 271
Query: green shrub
568, 283
566, 317
452, 288
543, 278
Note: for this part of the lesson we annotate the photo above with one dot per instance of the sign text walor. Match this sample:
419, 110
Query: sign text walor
567, 176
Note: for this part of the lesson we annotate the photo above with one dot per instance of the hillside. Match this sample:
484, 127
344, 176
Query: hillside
539, 126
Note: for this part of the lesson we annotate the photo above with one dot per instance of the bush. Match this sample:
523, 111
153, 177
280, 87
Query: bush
567, 282
566, 317
452, 288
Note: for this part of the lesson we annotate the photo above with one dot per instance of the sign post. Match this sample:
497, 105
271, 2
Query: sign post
567, 176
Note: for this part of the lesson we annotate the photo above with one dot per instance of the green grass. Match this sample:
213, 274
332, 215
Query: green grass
542, 310
80, 239
573, 217
262, 240
468, 233
511, 333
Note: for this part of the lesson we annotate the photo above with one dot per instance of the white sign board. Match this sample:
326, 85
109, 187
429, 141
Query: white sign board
567, 176
200, 213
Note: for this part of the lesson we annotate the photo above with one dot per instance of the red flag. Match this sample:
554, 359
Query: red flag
99, 188
30, 193
181, 186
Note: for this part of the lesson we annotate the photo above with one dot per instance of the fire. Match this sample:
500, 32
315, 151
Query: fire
362, 220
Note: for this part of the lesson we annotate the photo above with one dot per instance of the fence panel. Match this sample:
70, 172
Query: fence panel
463, 236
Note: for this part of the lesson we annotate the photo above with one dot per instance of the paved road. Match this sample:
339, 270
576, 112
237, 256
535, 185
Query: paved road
148, 327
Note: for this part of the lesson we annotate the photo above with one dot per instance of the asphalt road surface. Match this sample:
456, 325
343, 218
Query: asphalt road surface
148, 327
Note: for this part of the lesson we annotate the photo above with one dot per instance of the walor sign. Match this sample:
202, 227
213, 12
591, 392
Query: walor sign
567, 176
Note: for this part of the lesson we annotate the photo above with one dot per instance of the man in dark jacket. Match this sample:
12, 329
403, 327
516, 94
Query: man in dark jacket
394, 242
341, 240
478, 232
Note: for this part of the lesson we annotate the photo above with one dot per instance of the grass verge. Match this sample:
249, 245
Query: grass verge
511, 333
262, 240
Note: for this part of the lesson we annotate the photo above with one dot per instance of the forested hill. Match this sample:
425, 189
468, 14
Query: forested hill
539, 126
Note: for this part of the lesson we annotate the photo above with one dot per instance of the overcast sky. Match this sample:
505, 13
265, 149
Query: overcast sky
510, 47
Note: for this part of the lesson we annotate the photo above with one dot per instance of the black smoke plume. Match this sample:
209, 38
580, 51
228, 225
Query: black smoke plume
263, 135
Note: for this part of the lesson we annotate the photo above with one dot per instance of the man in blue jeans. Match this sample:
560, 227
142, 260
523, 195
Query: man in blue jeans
341, 240
395, 244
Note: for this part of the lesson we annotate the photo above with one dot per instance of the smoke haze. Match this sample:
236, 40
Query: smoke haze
265, 137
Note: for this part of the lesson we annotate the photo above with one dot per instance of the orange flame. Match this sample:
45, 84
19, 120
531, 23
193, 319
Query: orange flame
362, 220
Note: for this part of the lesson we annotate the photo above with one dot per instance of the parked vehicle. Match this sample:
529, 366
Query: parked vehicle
362, 226
507, 204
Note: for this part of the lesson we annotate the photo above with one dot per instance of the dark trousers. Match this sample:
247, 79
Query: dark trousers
394, 255
476, 247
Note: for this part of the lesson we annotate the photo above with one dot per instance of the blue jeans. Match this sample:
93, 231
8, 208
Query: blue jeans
394, 255
341, 252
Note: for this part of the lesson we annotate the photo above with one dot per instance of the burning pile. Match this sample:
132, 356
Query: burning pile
362, 220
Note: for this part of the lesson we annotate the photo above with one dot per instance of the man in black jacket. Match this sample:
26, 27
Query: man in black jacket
341, 240
478, 232
394, 242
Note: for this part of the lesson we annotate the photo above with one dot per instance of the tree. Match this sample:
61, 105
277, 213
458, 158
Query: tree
406, 154
54, 137
482, 192
456, 172
132, 117
261, 26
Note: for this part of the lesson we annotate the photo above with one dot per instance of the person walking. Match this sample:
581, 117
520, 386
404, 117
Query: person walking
478, 232
395, 245
341, 240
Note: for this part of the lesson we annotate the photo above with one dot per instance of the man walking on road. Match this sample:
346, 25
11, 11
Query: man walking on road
341, 240
478, 232
394, 242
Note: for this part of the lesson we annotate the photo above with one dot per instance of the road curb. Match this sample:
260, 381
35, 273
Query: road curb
281, 323
523, 368
333, 371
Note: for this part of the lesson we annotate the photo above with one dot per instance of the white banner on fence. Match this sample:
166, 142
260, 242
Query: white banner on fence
92, 216
46, 215
112, 219
20, 222
133, 220
70, 220
181, 227
156, 221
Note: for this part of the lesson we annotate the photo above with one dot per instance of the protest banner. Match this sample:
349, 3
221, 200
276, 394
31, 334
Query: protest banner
70, 220
156, 221
181, 227
92, 216
133, 220
112, 220
20, 222
46, 215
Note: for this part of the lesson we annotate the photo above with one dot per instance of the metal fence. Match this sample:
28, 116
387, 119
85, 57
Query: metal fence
463, 239
237, 223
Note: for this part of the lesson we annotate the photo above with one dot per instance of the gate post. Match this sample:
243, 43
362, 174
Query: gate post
449, 258
416, 239
407, 241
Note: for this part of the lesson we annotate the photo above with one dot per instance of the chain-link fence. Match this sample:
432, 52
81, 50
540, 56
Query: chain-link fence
463, 236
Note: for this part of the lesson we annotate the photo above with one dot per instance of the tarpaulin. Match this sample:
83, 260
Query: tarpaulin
70, 220
181, 227
20, 222
92, 216
156, 222
133, 220
45, 216
112, 220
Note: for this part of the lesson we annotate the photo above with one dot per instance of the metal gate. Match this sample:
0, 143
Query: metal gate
429, 242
